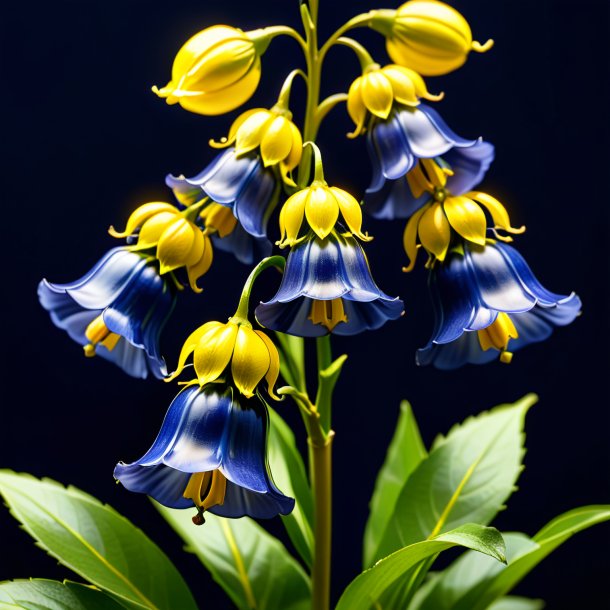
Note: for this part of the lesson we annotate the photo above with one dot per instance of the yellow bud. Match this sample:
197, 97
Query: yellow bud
215, 71
428, 36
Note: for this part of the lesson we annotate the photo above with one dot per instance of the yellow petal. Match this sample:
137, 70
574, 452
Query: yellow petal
467, 218
409, 238
175, 245
403, 87
154, 227
497, 210
190, 344
436, 174
237, 123
434, 231
351, 211
321, 210
418, 182
251, 132
296, 150
291, 217
277, 141
356, 107
200, 267
274, 364
141, 215
250, 362
377, 94
213, 354
219, 218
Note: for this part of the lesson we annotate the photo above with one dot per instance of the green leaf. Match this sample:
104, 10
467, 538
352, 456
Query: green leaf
517, 603
253, 567
289, 475
467, 477
96, 542
368, 587
53, 595
547, 540
461, 583
405, 453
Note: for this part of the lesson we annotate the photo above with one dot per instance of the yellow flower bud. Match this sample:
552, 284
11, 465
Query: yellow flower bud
252, 356
179, 242
215, 71
428, 36
377, 90
272, 132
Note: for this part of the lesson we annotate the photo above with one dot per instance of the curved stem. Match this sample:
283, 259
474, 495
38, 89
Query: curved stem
364, 57
326, 105
355, 22
284, 30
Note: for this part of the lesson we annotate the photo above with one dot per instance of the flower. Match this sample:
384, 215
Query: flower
251, 354
216, 71
240, 183
270, 133
178, 241
327, 287
488, 303
116, 311
379, 89
210, 453
463, 167
428, 36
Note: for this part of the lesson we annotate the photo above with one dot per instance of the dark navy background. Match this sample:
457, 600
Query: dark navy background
86, 142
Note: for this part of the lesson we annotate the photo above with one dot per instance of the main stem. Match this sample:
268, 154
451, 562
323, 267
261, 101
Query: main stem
319, 442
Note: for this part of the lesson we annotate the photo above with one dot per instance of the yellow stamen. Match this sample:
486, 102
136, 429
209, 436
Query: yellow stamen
328, 313
497, 336
97, 332
206, 489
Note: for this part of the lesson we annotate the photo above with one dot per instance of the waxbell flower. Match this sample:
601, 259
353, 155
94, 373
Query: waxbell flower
210, 454
428, 36
116, 311
177, 240
216, 71
327, 287
231, 351
463, 168
320, 206
488, 304
379, 89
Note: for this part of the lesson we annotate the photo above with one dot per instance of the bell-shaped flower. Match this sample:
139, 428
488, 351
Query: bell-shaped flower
327, 287
116, 311
428, 36
487, 304
210, 453
217, 70
234, 352
271, 134
177, 240
463, 169
437, 223
378, 90
241, 183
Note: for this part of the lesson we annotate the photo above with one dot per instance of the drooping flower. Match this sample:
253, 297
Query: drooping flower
487, 304
428, 36
463, 169
327, 287
216, 71
445, 217
379, 90
177, 240
210, 453
117, 310
233, 351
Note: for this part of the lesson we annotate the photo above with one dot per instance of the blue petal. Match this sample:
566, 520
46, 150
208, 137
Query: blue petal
464, 350
240, 502
256, 201
469, 165
185, 193
392, 147
393, 200
246, 248
291, 318
369, 316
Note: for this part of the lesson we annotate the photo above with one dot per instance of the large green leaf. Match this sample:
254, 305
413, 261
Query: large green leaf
547, 540
289, 475
368, 587
405, 453
96, 542
517, 603
37, 594
253, 567
467, 477
466, 575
